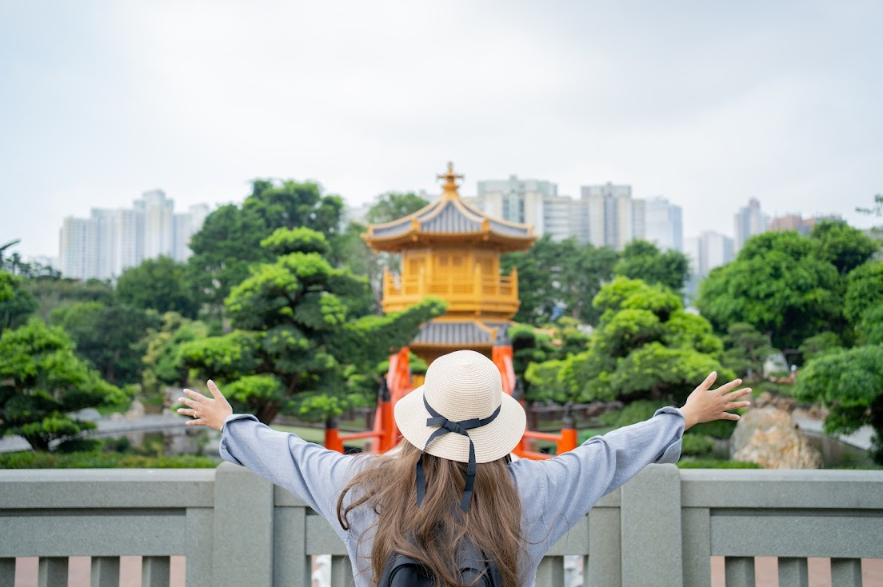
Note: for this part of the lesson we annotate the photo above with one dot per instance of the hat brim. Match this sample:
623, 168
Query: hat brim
492, 441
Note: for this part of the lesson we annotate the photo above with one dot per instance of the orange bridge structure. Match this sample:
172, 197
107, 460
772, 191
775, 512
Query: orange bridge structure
450, 250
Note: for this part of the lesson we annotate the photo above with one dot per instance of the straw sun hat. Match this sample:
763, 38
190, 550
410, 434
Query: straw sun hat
459, 387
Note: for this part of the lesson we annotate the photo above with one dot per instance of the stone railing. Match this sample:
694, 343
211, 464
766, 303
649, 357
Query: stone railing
662, 528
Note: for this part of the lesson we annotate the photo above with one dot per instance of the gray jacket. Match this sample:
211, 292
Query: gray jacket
555, 493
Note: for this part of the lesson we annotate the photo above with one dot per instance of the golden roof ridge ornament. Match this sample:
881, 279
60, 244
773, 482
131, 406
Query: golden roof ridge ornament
450, 185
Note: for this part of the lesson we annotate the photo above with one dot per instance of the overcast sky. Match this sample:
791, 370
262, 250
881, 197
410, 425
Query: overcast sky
706, 103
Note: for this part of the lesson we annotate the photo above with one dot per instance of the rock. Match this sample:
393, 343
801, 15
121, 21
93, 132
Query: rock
775, 363
770, 437
767, 399
136, 410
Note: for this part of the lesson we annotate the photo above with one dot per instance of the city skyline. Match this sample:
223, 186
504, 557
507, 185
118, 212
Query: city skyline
112, 240
659, 219
706, 104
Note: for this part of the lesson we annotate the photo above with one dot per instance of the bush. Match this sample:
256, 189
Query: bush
635, 412
697, 444
715, 464
109, 460
722, 429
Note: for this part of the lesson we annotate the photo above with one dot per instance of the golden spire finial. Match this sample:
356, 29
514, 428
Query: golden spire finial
450, 185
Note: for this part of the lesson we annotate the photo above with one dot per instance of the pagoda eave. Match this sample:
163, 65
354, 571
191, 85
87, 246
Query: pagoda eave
417, 239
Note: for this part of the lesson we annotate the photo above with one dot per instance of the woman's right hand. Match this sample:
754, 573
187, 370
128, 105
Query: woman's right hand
205, 411
705, 404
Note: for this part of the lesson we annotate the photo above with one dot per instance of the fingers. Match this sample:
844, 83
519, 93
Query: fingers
738, 393
736, 405
199, 422
198, 397
216, 393
723, 416
709, 381
728, 387
186, 412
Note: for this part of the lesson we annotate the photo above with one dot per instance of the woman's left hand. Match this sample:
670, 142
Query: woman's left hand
706, 404
206, 411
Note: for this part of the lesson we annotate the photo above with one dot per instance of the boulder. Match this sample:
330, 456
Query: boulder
769, 437
136, 410
775, 363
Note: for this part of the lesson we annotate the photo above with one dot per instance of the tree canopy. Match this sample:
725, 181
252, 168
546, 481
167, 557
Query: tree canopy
646, 346
850, 383
109, 336
16, 303
42, 382
779, 284
842, 245
394, 205
864, 290
163, 356
643, 260
296, 332
229, 241
559, 278
157, 284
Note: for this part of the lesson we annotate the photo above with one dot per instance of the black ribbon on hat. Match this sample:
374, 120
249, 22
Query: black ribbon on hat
462, 427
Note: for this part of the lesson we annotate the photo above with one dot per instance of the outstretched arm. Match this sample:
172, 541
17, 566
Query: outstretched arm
574, 481
309, 471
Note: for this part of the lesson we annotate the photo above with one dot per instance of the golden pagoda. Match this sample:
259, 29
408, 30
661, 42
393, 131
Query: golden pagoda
451, 250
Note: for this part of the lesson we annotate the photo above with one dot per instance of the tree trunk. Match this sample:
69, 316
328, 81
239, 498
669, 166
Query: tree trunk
38, 443
268, 413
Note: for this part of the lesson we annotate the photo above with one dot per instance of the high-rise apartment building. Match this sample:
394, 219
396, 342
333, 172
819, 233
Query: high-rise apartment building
158, 211
605, 215
664, 224
613, 218
749, 221
112, 240
515, 200
709, 250
797, 222
78, 248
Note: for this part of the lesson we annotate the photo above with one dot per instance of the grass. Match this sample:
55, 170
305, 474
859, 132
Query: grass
100, 460
316, 435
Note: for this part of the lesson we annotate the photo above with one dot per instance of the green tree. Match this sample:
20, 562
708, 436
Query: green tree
157, 284
864, 289
229, 241
818, 345
110, 337
559, 278
163, 358
850, 383
296, 332
16, 303
643, 260
646, 346
870, 326
351, 251
394, 205
52, 293
746, 349
842, 245
42, 382
779, 285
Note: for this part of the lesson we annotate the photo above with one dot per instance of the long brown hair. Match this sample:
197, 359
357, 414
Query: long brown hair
430, 534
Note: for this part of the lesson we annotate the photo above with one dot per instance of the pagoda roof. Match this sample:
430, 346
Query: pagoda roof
460, 334
449, 220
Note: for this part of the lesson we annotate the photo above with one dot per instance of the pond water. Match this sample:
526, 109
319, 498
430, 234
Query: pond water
837, 454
